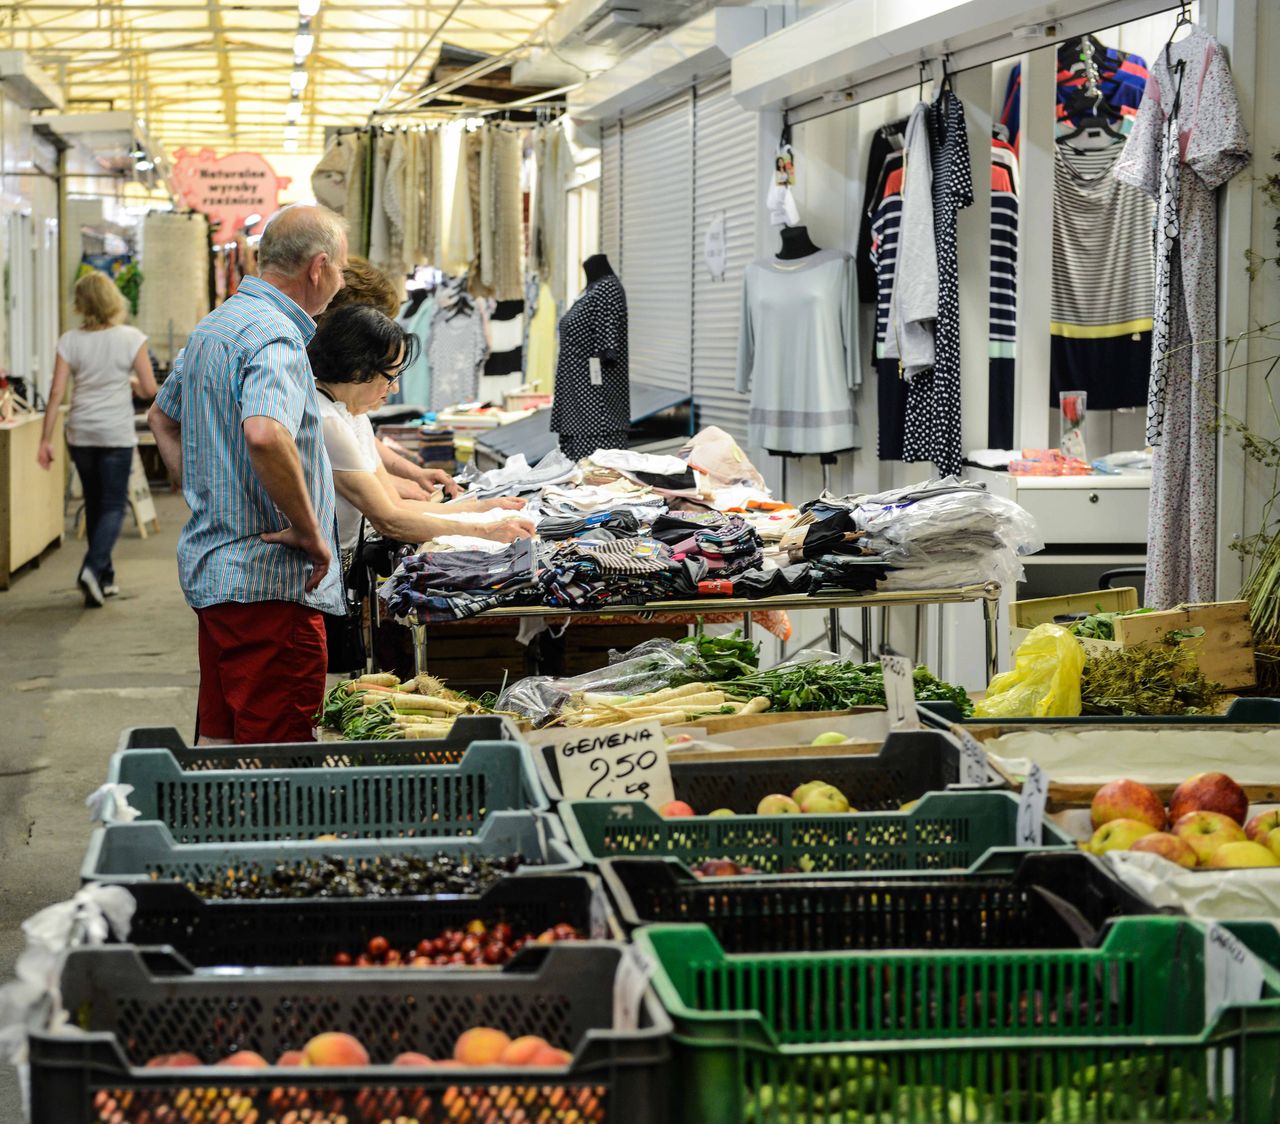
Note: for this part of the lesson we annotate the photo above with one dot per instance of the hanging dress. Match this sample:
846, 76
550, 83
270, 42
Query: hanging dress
931, 430
1188, 140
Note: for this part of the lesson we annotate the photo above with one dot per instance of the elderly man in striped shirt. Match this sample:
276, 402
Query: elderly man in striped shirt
237, 422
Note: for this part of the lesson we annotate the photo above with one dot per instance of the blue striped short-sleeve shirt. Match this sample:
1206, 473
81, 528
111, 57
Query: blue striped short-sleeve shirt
247, 358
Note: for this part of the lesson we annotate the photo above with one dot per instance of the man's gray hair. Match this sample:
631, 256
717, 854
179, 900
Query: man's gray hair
296, 235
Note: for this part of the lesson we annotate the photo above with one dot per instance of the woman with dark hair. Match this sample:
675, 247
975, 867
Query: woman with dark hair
356, 356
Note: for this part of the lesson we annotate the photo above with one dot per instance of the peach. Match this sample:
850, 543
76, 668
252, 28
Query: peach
550, 1056
411, 1058
520, 1050
246, 1059
292, 1057
335, 1049
172, 1061
481, 1045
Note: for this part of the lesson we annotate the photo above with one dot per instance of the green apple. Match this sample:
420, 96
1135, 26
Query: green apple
722, 812
1232, 855
831, 737
1117, 835
776, 804
825, 801
798, 794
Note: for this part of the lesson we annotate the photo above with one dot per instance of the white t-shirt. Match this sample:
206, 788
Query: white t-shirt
102, 401
349, 441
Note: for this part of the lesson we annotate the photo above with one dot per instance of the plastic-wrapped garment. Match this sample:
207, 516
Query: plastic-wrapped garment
516, 477
719, 457
650, 666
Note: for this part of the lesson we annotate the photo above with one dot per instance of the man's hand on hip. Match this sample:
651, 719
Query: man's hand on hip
312, 545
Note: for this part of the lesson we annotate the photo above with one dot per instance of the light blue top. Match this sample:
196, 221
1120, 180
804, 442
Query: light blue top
247, 358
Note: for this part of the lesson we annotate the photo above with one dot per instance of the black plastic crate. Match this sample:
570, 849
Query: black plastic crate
1240, 712
136, 1004
145, 851
309, 932
337, 754
1050, 901
909, 764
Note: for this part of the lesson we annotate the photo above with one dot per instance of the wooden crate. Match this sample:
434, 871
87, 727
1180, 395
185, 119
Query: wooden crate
1224, 653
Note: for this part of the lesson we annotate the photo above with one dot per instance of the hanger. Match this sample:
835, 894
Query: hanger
1087, 106
945, 85
920, 86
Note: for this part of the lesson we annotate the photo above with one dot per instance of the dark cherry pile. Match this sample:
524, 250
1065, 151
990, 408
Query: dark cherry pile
399, 876
478, 945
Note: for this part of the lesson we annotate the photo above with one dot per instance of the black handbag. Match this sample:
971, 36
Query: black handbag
344, 632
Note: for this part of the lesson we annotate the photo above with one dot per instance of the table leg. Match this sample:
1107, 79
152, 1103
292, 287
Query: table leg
990, 619
420, 648
866, 634
746, 625
919, 652
833, 630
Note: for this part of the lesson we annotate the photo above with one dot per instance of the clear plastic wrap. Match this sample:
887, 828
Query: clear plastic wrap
650, 666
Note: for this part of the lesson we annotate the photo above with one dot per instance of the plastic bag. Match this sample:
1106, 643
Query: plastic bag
1044, 682
650, 666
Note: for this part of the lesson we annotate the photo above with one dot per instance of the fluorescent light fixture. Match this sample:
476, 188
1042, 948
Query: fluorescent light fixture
144, 166
307, 9
291, 146
302, 44
298, 81
291, 132
293, 111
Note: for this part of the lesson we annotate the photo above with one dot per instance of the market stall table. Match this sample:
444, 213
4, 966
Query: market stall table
988, 594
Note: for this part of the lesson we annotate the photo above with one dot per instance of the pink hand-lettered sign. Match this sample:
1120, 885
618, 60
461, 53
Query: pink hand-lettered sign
226, 189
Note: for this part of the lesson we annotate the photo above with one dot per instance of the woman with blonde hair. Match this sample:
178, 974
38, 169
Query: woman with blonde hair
106, 358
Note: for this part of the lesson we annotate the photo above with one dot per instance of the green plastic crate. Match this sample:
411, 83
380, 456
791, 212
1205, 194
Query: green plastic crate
1116, 1033
145, 850
374, 802
944, 831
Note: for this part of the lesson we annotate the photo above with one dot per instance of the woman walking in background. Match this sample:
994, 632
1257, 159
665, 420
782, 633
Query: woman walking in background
107, 359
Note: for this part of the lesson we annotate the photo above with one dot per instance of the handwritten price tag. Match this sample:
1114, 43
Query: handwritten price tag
1231, 972
624, 763
635, 969
1035, 794
973, 758
900, 692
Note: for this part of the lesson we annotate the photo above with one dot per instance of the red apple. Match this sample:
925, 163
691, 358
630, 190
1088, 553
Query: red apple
1205, 832
1117, 835
1209, 792
1264, 822
1127, 800
675, 808
1166, 845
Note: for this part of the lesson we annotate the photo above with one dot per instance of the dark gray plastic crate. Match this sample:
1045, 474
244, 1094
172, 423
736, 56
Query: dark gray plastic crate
137, 1004
366, 802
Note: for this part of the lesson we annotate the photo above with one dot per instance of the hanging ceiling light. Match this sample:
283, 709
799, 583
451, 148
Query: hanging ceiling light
298, 81
293, 111
291, 132
303, 42
307, 9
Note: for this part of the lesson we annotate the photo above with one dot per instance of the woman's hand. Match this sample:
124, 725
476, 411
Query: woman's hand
506, 503
45, 455
438, 478
509, 530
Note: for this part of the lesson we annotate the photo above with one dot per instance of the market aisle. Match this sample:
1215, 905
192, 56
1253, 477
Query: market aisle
73, 679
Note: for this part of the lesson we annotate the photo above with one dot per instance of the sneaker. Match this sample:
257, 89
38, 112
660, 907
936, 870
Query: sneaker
110, 589
88, 581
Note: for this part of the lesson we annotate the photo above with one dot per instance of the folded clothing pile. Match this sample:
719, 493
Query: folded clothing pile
718, 545
449, 585
517, 478
622, 495
602, 526
588, 574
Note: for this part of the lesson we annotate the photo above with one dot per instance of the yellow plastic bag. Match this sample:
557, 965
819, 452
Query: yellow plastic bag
1044, 682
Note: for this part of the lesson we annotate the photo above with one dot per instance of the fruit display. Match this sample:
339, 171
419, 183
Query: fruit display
816, 798
477, 945
1205, 826
335, 877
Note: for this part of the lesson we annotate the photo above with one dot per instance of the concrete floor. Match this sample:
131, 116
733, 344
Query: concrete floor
73, 679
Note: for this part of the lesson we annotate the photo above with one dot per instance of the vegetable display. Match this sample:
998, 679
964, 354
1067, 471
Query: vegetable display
1102, 626
379, 707
671, 706
1148, 679
836, 686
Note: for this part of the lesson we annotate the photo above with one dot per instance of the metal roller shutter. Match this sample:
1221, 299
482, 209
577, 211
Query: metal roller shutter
725, 181
611, 194
657, 201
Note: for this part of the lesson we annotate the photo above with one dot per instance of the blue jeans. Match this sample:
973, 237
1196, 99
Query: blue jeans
104, 476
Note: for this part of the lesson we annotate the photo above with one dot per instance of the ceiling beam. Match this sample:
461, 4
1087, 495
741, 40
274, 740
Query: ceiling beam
224, 62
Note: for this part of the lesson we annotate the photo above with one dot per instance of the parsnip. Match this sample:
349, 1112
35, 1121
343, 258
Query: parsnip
380, 679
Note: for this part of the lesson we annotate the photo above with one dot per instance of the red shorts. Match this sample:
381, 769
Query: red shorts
262, 671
